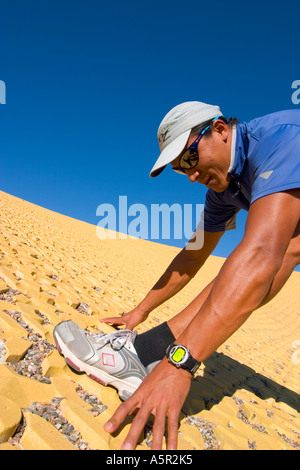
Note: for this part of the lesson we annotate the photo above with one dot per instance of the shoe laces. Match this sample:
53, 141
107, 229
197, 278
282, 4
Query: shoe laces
117, 339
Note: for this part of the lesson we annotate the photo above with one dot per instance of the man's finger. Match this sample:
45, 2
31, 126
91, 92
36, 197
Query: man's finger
159, 429
172, 431
120, 414
115, 320
136, 429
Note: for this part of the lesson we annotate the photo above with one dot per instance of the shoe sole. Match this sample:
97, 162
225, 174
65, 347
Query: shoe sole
125, 388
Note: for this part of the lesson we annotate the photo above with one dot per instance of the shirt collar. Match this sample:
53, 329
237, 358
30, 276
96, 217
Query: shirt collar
233, 142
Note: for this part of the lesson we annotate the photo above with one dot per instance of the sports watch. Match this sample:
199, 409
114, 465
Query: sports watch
180, 357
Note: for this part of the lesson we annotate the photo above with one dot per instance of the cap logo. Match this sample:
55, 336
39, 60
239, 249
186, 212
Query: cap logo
164, 136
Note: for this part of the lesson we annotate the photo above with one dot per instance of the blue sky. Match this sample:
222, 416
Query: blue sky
88, 82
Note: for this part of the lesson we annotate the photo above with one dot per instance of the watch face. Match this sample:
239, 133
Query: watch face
178, 355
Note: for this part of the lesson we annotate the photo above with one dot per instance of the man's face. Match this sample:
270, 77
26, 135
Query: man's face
214, 158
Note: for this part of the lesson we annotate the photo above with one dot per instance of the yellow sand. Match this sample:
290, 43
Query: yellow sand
245, 396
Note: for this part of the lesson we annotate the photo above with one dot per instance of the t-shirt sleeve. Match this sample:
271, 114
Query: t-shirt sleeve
275, 163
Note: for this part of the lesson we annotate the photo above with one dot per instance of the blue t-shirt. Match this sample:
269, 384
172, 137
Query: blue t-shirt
266, 161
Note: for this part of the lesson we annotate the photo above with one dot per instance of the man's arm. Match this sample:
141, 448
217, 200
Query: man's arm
247, 275
242, 284
181, 270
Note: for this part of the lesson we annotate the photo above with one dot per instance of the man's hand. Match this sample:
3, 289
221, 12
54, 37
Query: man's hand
130, 319
161, 394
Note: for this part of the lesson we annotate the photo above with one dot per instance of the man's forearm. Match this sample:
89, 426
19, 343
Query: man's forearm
182, 269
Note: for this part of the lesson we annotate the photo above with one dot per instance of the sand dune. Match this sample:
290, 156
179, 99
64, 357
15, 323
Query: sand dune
52, 268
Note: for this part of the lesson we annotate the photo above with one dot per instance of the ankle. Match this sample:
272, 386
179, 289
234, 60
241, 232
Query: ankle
151, 346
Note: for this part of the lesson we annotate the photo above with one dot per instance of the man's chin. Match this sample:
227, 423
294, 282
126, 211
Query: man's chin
219, 186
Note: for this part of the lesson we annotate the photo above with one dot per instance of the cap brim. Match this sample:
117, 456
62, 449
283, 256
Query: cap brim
170, 153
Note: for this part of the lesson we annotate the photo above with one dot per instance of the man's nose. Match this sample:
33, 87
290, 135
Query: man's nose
192, 175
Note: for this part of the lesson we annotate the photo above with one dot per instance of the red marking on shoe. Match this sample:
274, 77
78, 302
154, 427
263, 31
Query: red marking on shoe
96, 378
108, 360
58, 347
72, 364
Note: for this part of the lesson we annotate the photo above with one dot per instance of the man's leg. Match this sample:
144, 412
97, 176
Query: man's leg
290, 261
178, 323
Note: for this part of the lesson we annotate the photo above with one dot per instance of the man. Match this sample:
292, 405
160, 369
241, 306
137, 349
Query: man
253, 166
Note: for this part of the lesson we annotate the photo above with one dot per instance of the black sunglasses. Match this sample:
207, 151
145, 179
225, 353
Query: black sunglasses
190, 157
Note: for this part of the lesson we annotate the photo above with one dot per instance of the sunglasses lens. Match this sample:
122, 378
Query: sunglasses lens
189, 159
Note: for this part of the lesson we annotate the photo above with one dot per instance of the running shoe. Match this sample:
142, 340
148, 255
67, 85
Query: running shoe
110, 359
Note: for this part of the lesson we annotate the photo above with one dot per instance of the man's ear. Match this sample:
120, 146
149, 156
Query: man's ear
221, 128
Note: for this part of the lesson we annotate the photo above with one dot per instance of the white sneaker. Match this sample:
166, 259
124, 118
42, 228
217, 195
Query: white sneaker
110, 359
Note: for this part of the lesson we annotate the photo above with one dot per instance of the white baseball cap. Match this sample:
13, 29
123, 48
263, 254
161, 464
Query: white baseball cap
174, 130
